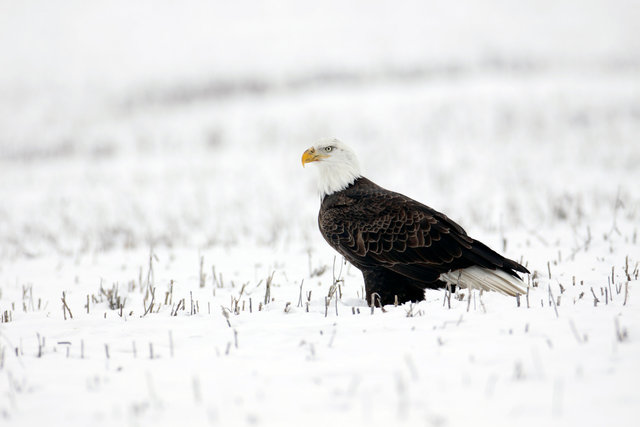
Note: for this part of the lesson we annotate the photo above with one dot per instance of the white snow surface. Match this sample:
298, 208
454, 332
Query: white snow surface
150, 177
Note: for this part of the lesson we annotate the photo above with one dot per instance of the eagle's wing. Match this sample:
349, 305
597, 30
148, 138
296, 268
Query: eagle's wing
382, 228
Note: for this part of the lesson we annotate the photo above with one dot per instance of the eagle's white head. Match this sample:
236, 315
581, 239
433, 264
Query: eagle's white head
337, 165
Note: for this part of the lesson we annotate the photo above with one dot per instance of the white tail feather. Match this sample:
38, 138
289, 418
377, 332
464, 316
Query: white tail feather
482, 278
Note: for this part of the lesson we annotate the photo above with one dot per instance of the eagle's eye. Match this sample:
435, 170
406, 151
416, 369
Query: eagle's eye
328, 149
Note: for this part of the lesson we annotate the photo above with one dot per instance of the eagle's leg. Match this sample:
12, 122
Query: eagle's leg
383, 286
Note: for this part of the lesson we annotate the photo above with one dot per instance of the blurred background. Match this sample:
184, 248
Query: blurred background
135, 123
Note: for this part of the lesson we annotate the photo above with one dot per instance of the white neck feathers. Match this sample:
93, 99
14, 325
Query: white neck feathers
336, 176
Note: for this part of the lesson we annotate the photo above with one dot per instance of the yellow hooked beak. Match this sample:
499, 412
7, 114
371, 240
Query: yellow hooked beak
312, 156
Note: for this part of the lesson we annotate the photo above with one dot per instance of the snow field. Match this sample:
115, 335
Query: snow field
130, 129
318, 361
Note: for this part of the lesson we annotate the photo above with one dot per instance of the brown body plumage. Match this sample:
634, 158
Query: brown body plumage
401, 246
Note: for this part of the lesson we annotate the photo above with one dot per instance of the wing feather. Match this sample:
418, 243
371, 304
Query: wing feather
372, 226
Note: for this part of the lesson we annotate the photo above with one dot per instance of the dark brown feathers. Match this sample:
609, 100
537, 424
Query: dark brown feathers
379, 230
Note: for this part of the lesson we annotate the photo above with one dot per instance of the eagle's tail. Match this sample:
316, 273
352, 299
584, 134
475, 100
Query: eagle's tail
483, 278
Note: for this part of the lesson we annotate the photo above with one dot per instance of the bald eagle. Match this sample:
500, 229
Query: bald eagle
401, 246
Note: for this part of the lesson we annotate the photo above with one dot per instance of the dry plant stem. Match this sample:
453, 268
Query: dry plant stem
267, 292
300, 294
626, 267
40, 344
65, 307
575, 331
202, 275
447, 296
621, 333
148, 309
553, 301
595, 298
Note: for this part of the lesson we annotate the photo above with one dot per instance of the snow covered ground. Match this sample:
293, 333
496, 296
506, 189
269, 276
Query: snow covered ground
150, 177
